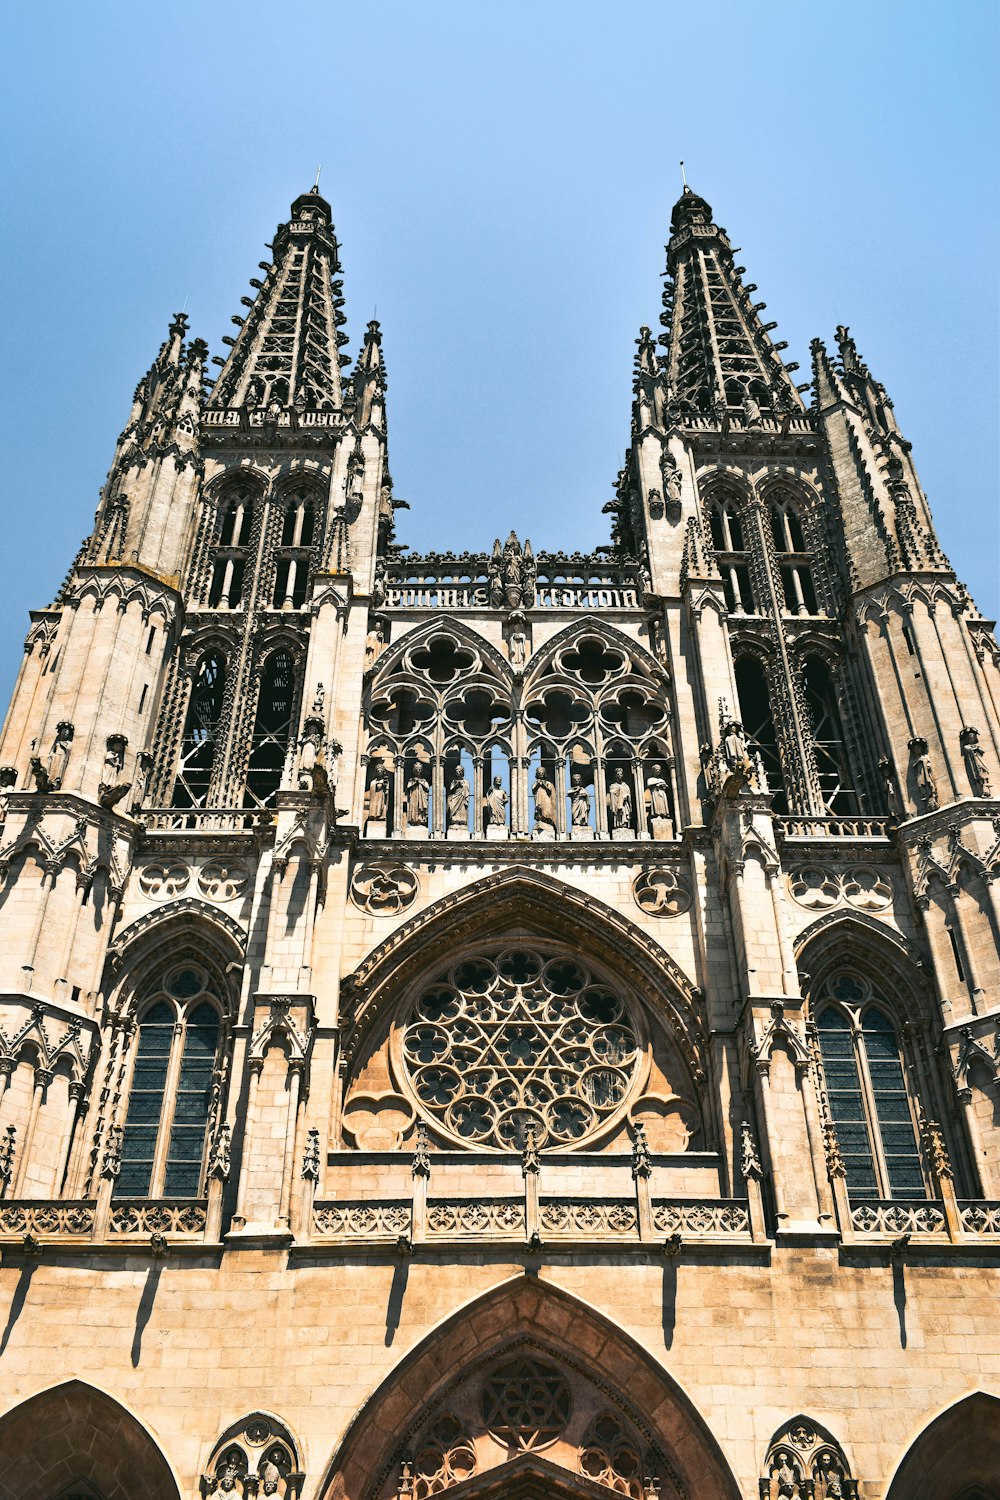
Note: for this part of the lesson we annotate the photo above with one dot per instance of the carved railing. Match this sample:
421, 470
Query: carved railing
203, 819
174, 1217
728, 1216
41, 1217
833, 827
886, 1216
361, 1220
980, 1216
606, 1220
288, 419
494, 1217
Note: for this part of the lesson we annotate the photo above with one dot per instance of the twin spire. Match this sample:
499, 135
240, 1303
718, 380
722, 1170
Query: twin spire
287, 350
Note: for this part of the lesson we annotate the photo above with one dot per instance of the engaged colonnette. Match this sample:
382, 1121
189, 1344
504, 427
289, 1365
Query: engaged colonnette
512, 1023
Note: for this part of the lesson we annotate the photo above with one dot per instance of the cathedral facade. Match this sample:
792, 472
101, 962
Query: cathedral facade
510, 1023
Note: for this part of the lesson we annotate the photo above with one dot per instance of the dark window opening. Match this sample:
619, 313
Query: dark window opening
272, 730
829, 744
755, 714
194, 773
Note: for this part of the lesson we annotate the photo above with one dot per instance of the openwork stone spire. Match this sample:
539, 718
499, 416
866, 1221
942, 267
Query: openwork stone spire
719, 353
287, 349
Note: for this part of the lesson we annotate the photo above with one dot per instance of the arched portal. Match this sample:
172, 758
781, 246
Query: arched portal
528, 1391
955, 1457
74, 1435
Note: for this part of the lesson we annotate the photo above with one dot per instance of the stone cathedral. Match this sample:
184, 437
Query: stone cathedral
516, 1025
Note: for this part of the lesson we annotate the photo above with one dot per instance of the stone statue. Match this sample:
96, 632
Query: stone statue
374, 643
923, 776
379, 584
494, 575
833, 1481
227, 1481
270, 1478
735, 749
49, 777
378, 797
788, 1480
579, 800
417, 799
892, 802
975, 762
518, 646
620, 801
544, 794
458, 800
659, 794
496, 800
8, 781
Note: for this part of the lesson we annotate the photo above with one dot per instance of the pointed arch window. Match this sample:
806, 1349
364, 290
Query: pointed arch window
229, 562
794, 558
755, 714
731, 553
293, 558
194, 773
166, 1126
829, 744
866, 1086
272, 729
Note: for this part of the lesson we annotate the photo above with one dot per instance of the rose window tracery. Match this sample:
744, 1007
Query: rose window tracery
517, 1041
526, 1404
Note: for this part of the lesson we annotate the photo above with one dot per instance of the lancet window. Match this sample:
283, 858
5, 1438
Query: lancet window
198, 746
732, 556
272, 728
230, 557
293, 550
794, 560
758, 724
164, 1139
829, 743
458, 750
868, 1091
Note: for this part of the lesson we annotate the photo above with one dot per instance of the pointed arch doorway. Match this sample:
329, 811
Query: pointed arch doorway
528, 1392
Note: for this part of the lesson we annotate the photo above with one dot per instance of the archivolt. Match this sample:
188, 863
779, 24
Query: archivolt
534, 1316
519, 900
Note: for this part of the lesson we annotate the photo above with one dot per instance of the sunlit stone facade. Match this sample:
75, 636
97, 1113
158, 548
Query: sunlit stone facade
509, 1024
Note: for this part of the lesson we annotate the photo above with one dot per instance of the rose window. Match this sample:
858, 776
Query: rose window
520, 1041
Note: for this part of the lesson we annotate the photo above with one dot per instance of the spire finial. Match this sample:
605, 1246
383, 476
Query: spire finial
683, 176
316, 183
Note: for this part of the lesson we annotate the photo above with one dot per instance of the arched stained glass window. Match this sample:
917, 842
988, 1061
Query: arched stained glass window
866, 1088
163, 1142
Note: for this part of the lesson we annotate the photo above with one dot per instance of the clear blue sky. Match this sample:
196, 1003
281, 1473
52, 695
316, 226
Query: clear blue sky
501, 178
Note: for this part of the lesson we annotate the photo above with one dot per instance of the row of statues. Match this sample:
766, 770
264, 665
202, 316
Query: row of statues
620, 799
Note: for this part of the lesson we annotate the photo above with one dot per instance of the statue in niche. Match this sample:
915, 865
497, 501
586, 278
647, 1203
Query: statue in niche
228, 1481
517, 644
975, 762
458, 800
620, 801
494, 575
659, 792
417, 799
923, 776
379, 584
49, 777
378, 797
673, 485
270, 1478
890, 791
833, 1480
544, 793
579, 801
375, 642
495, 804
788, 1479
